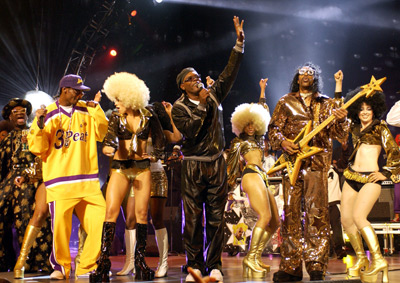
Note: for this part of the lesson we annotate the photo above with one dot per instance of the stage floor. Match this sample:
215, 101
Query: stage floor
232, 268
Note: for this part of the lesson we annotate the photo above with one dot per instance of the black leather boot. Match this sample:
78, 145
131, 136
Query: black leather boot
104, 265
143, 272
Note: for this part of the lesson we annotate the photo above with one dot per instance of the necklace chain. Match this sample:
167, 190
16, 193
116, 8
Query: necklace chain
66, 138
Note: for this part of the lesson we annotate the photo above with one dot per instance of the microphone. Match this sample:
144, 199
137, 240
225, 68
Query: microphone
201, 86
41, 118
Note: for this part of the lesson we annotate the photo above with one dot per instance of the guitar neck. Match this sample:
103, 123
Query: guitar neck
321, 126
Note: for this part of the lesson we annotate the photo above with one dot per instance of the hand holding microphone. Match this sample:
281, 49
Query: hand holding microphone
41, 114
204, 94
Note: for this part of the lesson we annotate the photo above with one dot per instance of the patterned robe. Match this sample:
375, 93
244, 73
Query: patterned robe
17, 204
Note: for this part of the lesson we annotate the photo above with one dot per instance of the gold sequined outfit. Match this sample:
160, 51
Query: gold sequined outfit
159, 184
289, 117
377, 133
17, 204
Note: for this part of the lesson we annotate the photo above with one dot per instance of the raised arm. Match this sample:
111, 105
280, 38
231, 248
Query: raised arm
239, 29
263, 85
340, 128
262, 101
339, 81
174, 136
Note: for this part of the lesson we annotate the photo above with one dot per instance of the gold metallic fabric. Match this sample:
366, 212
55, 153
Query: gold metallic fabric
130, 174
310, 191
378, 133
291, 115
159, 184
34, 172
239, 147
350, 174
118, 129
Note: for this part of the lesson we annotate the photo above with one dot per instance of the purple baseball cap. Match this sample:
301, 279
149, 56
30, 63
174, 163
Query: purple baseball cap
73, 81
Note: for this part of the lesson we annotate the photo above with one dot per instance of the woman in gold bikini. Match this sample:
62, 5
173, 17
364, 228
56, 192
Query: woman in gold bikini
363, 181
249, 123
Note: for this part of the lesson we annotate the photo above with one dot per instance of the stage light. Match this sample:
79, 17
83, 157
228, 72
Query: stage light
38, 98
113, 52
159, 1
133, 13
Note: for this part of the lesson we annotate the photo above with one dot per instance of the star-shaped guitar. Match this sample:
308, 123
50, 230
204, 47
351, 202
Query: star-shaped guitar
292, 162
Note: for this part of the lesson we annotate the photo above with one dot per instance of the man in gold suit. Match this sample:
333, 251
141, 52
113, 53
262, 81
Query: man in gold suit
294, 110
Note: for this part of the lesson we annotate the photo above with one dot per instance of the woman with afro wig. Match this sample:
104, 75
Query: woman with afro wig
362, 186
158, 197
249, 123
126, 141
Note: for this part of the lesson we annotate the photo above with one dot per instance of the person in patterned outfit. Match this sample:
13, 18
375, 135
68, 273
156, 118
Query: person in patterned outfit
292, 113
17, 203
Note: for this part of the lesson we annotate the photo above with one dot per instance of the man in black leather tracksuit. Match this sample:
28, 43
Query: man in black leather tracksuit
198, 116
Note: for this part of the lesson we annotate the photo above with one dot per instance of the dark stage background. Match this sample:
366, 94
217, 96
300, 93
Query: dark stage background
360, 37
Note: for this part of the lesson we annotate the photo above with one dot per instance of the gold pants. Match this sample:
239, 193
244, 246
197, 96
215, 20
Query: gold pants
311, 189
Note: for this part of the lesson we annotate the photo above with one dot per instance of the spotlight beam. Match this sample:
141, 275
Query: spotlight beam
350, 12
197, 50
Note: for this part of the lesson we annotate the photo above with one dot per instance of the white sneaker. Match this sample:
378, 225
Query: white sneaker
57, 275
217, 275
82, 276
189, 277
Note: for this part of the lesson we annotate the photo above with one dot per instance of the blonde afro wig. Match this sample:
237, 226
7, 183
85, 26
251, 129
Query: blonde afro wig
127, 88
250, 113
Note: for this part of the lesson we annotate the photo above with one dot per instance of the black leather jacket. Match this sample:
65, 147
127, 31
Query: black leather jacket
203, 132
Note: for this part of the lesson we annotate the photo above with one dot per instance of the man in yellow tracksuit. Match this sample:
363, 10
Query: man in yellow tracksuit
64, 135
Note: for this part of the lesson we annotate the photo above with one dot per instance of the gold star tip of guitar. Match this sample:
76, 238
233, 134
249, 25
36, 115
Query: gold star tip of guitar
374, 85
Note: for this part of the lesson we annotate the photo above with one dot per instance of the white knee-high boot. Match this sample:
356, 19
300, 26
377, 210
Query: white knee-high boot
162, 243
130, 243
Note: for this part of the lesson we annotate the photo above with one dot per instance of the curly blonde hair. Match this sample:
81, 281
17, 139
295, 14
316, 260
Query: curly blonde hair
127, 88
250, 113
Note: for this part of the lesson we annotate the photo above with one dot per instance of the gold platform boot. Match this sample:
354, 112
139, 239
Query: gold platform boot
378, 262
263, 243
31, 233
251, 269
362, 260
